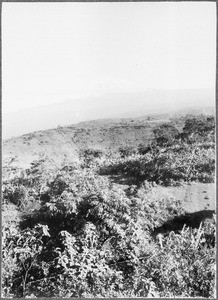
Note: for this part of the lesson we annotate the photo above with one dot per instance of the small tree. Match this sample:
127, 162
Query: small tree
196, 129
165, 134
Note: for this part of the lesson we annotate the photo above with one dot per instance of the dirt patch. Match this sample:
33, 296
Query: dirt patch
198, 201
196, 196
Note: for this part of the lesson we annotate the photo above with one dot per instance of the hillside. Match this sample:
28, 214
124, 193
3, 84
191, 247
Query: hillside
111, 208
102, 134
68, 140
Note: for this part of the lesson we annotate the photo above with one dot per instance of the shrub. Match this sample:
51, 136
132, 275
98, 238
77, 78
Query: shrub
197, 129
183, 266
165, 134
17, 195
126, 151
92, 237
180, 162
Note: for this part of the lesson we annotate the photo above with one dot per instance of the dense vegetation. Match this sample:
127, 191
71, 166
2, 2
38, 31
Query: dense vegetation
87, 229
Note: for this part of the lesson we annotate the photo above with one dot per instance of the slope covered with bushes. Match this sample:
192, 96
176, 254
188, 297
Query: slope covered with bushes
89, 228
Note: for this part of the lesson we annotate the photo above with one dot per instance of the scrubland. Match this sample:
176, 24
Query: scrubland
130, 212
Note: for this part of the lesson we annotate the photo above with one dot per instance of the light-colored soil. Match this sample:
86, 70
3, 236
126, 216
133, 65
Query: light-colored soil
195, 196
67, 141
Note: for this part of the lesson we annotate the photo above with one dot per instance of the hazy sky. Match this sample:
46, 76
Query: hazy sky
53, 52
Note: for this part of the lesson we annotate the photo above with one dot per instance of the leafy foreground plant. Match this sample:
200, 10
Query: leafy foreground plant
185, 264
93, 238
89, 239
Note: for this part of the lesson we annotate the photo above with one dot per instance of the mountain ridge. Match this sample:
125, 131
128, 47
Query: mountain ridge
102, 134
100, 107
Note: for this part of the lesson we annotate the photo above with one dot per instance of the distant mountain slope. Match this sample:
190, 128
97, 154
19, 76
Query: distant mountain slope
119, 105
206, 110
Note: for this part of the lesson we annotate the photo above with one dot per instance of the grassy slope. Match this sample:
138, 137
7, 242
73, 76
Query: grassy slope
99, 134
102, 134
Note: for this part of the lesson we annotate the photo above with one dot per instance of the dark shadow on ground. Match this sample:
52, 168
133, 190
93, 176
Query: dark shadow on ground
192, 220
126, 180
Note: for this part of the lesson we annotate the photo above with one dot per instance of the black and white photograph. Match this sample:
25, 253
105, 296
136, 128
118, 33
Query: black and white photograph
108, 149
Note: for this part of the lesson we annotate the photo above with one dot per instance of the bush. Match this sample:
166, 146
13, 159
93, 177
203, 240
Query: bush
183, 266
165, 134
127, 151
90, 242
92, 237
17, 195
180, 162
197, 129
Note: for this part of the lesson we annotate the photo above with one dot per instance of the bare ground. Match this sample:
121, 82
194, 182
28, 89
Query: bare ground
196, 196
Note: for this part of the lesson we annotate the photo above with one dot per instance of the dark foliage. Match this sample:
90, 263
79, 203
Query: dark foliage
165, 134
92, 236
199, 128
192, 220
